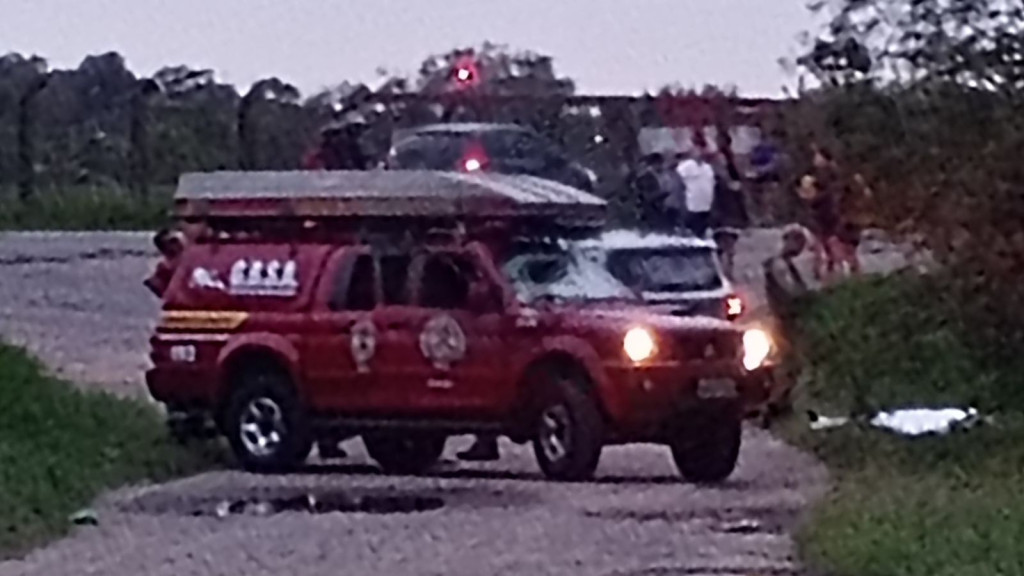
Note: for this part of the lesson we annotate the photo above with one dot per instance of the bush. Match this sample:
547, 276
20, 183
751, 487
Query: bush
59, 447
895, 341
944, 163
85, 208
931, 506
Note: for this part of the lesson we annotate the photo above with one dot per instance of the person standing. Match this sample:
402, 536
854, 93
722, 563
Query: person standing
698, 177
784, 287
340, 146
646, 185
170, 244
726, 240
765, 178
817, 190
728, 208
783, 282
673, 206
835, 236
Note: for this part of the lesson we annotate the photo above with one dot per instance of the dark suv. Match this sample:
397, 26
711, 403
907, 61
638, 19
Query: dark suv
472, 147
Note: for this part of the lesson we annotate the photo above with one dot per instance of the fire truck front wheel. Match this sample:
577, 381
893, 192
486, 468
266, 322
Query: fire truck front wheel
568, 427
706, 441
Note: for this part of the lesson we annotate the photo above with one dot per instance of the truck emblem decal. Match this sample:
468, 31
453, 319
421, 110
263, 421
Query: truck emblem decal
364, 344
251, 279
443, 341
203, 278
256, 278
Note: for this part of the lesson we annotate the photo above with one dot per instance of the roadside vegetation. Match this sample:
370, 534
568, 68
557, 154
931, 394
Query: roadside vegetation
85, 208
923, 99
902, 506
60, 447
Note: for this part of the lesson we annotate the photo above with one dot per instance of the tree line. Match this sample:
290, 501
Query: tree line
100, 124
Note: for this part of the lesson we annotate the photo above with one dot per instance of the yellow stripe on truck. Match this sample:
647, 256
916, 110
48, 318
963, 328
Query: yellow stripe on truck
202, 320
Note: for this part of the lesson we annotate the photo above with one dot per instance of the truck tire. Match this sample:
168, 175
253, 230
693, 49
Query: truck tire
568, 431
404, 453
266, 423
706, 441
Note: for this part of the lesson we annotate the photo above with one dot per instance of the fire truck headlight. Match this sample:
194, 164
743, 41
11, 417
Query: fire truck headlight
638, 344
757, 345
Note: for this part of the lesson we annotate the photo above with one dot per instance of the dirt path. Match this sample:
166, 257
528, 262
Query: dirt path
637, 519
78, 303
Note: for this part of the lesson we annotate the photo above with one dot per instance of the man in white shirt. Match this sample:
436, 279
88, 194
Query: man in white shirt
698, 174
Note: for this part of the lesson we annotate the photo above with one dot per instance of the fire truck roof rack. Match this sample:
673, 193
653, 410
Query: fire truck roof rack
382, 201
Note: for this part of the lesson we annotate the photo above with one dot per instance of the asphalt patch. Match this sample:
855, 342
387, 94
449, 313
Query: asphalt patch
330, 503
316, 498
269, 503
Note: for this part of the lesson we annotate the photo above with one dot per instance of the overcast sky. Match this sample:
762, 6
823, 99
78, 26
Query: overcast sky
607, 46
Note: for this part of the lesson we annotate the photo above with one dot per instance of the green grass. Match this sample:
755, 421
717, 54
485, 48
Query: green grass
60, 447
85, 208
933, 506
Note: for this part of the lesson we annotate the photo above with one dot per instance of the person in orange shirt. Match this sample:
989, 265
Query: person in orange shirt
171, 245
836, 207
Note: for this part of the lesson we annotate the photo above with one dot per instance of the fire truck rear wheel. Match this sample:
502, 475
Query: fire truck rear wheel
404, 453
706, 441
265, 421
569, 429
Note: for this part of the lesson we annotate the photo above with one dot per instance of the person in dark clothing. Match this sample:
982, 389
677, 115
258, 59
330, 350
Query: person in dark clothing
726, 240
484, 449
827, 197
765, 178
784, 288
783, 282
648, 193
673, 194
728, 208
340, 147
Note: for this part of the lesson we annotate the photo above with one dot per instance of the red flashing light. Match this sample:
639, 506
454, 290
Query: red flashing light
465, 72
474, 159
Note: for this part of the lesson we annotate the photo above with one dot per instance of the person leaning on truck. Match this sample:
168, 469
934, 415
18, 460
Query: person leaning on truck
784, 287
783, 282
170, 244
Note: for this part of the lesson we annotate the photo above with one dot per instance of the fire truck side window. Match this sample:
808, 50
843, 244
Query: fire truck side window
362, 285
446, 281
394, 272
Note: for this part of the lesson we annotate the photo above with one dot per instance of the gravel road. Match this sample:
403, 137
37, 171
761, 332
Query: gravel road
76, 301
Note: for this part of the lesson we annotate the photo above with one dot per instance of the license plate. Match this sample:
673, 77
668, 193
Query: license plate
717, 388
